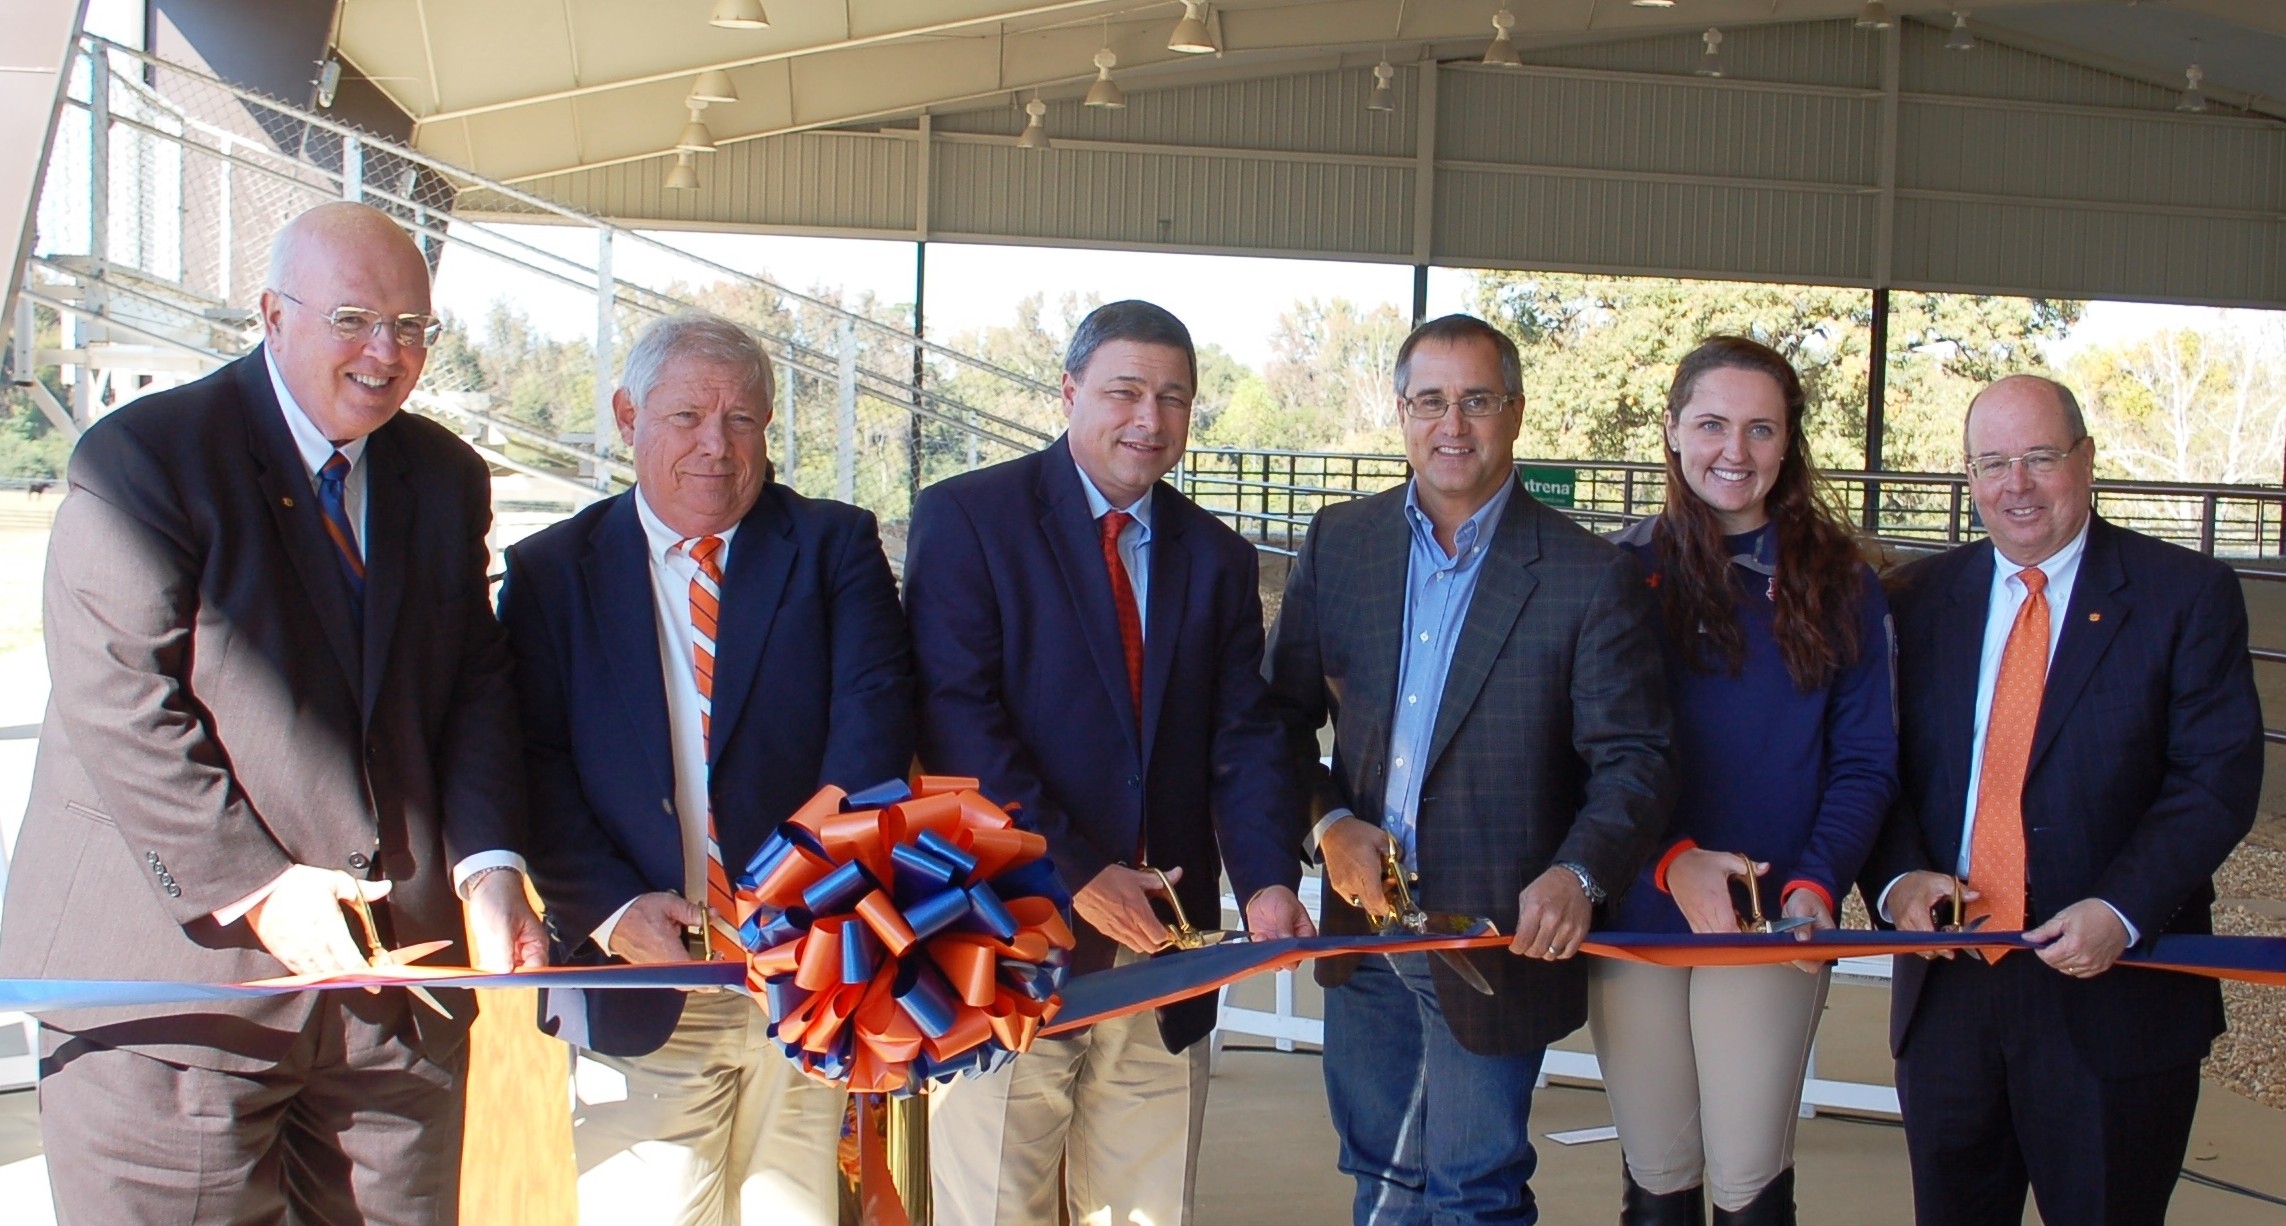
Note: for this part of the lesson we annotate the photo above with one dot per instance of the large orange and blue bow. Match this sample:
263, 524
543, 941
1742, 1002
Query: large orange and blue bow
895, 939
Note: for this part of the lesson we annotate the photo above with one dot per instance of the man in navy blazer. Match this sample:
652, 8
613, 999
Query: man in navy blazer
694, 658
1088, 644
2101, 788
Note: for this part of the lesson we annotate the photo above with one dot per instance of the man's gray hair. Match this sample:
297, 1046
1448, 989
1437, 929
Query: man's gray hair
1454, 330
702, 337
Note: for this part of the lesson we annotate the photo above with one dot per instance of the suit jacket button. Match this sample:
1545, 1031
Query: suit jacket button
358, 861
1134, 781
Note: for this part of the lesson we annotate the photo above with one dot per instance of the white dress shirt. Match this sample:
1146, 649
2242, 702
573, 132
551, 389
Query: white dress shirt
2008, 595
1134, 543
317, 451
672, 569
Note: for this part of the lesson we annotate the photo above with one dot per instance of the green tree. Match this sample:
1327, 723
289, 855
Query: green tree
1599, 352
2189, 405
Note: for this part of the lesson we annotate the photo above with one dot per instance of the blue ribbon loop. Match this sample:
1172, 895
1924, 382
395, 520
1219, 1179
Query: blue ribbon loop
839, 890
925, 997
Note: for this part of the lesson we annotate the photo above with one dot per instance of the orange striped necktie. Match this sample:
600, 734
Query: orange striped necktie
706, 617
1996, 846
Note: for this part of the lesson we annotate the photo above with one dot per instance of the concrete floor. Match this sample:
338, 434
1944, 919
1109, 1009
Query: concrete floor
1269, 1157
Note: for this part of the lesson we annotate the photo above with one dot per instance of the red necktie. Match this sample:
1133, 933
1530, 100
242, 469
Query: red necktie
706, 614
1123, 600
1996, 846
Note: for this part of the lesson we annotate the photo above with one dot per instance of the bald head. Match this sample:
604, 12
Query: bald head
323, 235
2037, 387
330, 268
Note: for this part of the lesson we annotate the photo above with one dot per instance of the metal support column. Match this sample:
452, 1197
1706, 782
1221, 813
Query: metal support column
914, 441
845, 414
1876, 397
1420, 294
606, 360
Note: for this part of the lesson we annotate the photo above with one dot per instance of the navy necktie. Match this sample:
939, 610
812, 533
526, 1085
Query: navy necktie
333, 502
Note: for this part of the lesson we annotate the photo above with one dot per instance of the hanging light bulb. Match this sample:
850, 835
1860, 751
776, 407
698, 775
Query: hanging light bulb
1191, 32
1502, 51
681, 177
2194, 98
1873, 15
1961, 39
1035, 133
695, 137
1384, 97
1710, 60
713, 85
1106, 92
738, 15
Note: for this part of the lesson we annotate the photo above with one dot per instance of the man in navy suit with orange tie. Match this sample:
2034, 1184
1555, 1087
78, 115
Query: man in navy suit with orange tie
1088, 644
2080, 742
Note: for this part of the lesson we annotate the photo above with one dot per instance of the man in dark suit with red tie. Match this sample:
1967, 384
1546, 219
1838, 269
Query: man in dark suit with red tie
2080, 742
278, 688
1088, 644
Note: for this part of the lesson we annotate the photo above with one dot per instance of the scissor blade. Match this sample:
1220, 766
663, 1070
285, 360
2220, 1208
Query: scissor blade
1465, 969
1786, 924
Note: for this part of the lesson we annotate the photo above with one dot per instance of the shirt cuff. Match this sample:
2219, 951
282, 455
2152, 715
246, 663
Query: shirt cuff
1804, 883
467, 869
1659, 874
1881, 904
2134, 937
237, 911
604, 930
1317, 832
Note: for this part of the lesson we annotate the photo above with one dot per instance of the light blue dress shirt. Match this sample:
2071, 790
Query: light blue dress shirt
1438, 590
1134, 542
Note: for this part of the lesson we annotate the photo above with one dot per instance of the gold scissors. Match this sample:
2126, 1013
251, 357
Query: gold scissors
396, 957
1754, 921
1961, 922
1180, 935
1406, 916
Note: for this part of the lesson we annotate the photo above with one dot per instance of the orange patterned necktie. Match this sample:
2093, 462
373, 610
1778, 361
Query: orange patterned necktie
1996, 847
706, 615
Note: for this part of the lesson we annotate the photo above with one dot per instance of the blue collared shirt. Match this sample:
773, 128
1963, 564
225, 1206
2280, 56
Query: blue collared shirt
1134, 542
1438, 589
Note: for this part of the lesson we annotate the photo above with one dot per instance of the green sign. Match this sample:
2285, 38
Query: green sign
1550, 485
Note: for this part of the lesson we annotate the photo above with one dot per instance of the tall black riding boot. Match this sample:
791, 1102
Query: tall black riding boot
1772, 1206
1640, 1208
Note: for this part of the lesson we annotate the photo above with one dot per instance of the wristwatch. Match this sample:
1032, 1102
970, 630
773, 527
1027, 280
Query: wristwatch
1594, 892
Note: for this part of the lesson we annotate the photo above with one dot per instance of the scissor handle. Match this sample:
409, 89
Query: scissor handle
1182, 922
1745, 873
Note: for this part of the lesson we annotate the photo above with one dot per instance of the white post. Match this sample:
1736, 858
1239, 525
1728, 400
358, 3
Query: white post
98, 159
789, 442
606, 364
352, 168
845, 456
229, 240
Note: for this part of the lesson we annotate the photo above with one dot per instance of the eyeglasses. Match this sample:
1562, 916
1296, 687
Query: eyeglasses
2040, 461
1431, 407
354, 323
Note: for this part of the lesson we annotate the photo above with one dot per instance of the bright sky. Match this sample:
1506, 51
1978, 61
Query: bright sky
1230, 301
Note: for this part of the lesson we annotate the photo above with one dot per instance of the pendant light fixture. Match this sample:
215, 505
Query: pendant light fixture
682, 177
713, 85
1035, 134
1191, 34
1710, 60
739, 15
1503, 50
1873, 15
1106, 92
1384, 96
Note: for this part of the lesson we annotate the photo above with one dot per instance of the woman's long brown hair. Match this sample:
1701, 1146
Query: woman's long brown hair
1819, 585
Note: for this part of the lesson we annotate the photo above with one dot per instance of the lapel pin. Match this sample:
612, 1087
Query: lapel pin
287, 503
2095, 617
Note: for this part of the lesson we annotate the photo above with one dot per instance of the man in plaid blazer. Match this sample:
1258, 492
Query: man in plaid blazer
1500, 718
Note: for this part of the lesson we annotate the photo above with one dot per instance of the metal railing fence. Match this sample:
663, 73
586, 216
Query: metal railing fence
1270, 496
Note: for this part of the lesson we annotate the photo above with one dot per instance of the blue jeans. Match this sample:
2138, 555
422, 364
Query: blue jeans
1434, 1134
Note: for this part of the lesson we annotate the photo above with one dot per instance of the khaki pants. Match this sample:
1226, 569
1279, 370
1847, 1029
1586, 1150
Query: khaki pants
1704, 1070
716, 1128
1110, 1103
